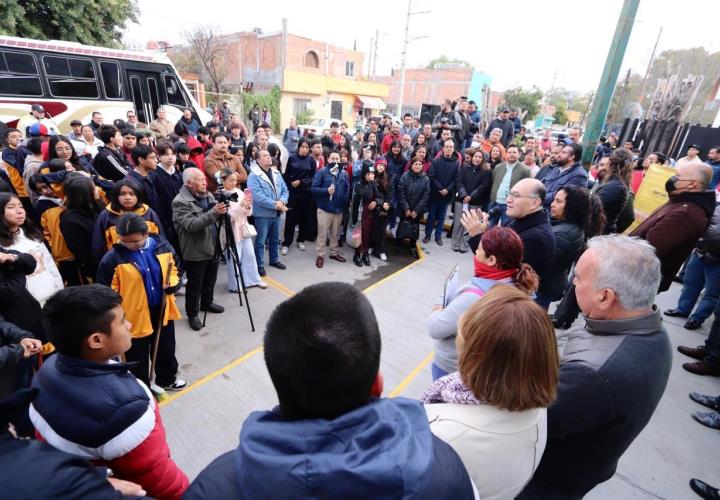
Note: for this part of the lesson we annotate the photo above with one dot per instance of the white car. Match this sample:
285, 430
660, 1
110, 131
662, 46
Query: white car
317, 125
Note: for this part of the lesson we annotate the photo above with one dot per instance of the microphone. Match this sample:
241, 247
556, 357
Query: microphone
494, 212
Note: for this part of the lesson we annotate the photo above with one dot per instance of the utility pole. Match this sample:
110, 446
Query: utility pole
647, 71
404, 56
370, 55
618, 106
604, 92
377, 37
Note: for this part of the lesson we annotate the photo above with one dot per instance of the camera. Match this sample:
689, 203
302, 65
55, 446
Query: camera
224, 197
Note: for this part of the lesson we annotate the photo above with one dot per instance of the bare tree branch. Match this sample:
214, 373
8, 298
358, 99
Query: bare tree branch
205, 43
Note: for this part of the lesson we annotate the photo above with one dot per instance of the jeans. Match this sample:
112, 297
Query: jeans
712, 343
248, 266
199, 291
700, 274
267, 227
436, 214
437, 372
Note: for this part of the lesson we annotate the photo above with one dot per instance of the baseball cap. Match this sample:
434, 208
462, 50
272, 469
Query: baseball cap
696, 146
37, 107
39, 130
75, 122
505, 109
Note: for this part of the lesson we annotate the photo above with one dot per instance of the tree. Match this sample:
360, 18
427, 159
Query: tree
526, 100
560, 115
443, 59
91, 22
205, 45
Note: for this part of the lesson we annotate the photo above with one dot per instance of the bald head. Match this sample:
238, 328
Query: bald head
700, 172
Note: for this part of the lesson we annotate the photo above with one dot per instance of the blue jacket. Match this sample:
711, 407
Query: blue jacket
322, 181
715, 165
265, 193
381, 450
555, 179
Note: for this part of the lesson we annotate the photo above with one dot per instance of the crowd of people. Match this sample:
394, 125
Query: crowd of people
101, 228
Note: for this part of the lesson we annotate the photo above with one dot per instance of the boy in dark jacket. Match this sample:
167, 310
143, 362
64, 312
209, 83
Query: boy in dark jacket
332, 435
443, 174
92, 406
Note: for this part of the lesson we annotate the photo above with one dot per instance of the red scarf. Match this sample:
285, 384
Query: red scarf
492, 273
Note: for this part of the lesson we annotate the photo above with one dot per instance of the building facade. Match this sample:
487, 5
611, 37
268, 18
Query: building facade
312, 75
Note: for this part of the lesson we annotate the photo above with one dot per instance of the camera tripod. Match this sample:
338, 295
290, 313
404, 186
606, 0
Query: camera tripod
233, 260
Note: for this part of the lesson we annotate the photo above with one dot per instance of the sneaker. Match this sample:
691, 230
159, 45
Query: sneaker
708, 418
301, 246
709, 401
178, 385
284, 250
383, 257
183, 281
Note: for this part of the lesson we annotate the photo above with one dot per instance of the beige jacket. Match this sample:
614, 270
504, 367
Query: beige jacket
162, 128
500, 449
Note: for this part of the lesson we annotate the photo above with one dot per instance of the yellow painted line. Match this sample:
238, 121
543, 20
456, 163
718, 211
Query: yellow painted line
421, 256
416, 371
210, 376
279, 286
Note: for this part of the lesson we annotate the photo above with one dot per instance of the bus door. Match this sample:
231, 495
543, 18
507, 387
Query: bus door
144, 88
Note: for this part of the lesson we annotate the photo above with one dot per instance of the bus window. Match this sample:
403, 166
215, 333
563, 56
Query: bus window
71, 77
154, 96
110, 72
19, 74
174, 92
138, 100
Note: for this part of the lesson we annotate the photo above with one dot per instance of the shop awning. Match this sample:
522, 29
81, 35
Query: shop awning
372, 102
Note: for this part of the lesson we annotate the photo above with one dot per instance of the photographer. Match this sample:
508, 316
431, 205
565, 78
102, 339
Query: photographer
448, 119
195, 213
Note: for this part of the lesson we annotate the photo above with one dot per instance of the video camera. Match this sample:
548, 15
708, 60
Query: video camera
224, 197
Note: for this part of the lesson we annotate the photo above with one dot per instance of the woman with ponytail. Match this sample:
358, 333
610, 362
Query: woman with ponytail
498, 259
613, 186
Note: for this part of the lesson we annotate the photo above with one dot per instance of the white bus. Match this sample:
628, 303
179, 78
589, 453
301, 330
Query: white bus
71, 80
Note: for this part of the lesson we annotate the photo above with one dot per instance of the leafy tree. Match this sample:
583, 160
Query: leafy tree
91, 22
560, 115
443, 59
271, 101
527, 100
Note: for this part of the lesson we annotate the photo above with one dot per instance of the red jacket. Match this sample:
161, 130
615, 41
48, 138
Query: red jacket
387, 140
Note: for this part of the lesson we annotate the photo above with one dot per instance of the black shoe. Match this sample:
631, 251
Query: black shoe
692, 324
414, 253
213, 308
357, 260
278, 265
366, 259
262, 271
439, 242
709, 401
426, 239
675, 313
678, 279
195, 323
704, 490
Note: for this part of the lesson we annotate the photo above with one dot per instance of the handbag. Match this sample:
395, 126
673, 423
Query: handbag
247, 230
408, 230
353, 237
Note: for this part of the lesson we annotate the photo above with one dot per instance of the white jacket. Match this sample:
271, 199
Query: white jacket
500, 449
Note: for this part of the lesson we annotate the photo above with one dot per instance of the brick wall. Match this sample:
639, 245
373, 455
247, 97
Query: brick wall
424, 85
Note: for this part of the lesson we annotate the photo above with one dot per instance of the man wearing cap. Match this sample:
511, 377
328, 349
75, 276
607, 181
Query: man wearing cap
37, 114
161, 125
504, 124
133, 122
693, 156
76, 134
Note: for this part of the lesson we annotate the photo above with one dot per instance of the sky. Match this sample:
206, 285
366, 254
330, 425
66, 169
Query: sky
521, 42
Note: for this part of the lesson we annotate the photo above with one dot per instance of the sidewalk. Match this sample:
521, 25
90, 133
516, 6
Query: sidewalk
225, 367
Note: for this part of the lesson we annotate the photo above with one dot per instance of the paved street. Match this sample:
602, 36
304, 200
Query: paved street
225, 367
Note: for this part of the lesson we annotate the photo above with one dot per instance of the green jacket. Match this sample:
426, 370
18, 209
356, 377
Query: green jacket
519, 172
194, 226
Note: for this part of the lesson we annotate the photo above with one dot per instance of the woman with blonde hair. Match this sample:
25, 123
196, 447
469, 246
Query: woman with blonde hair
493, 410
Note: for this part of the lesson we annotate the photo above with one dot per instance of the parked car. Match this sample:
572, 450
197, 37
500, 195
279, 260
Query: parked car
316, 126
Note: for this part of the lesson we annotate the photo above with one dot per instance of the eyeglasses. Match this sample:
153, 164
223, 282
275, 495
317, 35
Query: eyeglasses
515, 194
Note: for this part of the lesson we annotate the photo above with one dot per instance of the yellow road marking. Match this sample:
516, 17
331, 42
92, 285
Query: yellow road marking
279, 286
210, 376
416, 371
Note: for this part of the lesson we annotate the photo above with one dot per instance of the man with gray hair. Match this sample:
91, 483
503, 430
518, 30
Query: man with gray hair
195, 213
613, 371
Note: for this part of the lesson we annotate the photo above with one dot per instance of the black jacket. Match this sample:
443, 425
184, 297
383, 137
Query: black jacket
299, 168
150, 197
443, 175
11, 352
507, 127
111, 164
413, 192
569, 242
708, 247
17, 305
167, 187
612, 376
363, 193
77, 229
613, 194
538, 240
475, 182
